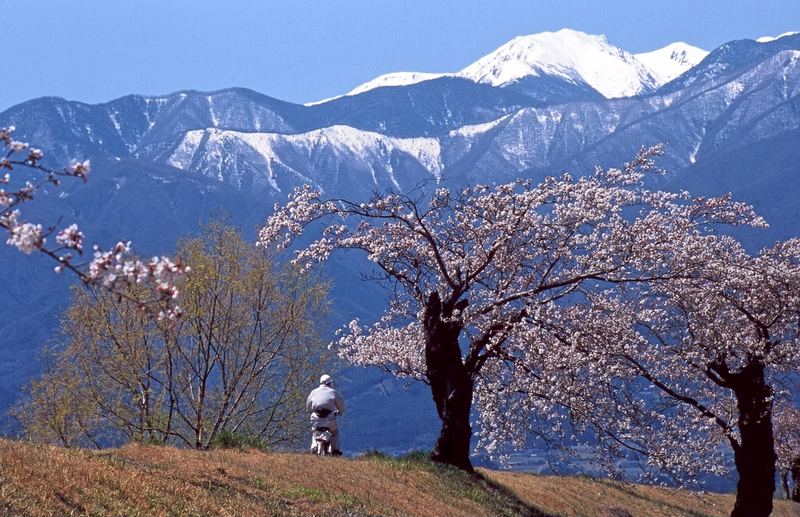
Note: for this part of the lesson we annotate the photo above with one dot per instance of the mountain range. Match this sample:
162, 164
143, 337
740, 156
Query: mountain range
538, 105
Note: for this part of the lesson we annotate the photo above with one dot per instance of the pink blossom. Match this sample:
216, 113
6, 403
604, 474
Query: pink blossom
80, 169
113, 269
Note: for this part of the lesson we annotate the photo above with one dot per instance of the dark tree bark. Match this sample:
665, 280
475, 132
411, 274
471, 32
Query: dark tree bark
794, 494
755, 456
451, 383
785, 483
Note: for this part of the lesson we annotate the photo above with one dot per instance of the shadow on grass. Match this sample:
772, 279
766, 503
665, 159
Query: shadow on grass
498, 499
71, 505
622, 487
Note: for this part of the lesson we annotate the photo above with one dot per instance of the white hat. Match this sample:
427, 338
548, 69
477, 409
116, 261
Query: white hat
326, 380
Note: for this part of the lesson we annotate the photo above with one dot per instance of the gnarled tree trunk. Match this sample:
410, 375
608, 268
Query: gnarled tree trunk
451, 384
794, 494
755, 456
785, 483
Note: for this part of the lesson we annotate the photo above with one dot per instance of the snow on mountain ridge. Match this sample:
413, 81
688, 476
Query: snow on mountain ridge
767, 39
667, 63
344, 142
390, 79
572, 55
395, 79
472, 130
578, 57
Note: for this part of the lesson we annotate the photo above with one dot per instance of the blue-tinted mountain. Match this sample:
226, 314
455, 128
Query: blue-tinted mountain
730, 58
434, 107
69, 129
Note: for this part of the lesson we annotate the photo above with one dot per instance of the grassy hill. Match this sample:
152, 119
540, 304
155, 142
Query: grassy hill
154, 481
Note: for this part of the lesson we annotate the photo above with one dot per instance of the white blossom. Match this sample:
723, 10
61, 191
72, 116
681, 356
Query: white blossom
71, 237
26, 237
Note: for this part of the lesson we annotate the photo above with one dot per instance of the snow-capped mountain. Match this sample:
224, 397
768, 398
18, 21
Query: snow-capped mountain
767, 39
575, 135
567, 55
395, 79
390, 79
667, 63
445, 127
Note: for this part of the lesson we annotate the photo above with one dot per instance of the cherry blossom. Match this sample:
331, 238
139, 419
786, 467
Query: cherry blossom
787, 448
71, 237
114, 269
482, 272
27, 237
671, 369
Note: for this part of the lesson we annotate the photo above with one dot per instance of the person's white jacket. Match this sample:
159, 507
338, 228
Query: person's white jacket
328, 400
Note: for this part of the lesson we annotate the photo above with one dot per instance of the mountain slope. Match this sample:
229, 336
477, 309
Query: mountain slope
337, 158
730, 58
428, 108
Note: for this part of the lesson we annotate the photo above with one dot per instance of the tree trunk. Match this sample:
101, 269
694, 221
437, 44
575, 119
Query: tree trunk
451, 384
785, 483
755, 456
794, 494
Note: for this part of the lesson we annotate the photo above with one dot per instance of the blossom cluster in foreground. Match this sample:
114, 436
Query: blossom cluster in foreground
114, 269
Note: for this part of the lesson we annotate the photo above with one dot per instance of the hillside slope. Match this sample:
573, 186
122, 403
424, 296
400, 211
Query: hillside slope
147, 480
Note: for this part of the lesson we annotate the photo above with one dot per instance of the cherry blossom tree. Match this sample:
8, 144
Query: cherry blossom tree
478, 272
787, 447
113, 269
672, 368
734, 321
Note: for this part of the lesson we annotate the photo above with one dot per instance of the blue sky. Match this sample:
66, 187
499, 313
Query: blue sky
305, 50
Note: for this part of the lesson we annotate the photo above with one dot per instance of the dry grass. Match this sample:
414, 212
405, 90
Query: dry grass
582, 496
154, 481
